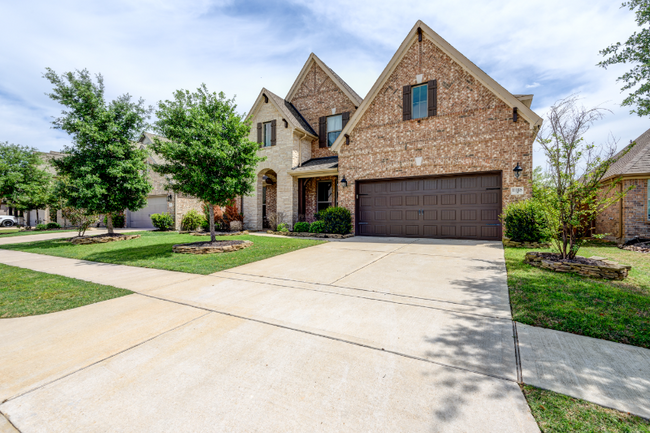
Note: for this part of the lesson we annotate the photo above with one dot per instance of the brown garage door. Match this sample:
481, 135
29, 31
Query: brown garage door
461, 207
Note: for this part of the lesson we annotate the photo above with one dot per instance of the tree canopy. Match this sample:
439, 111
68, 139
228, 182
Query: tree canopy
206, 150
635, 51
105, 171
24, 185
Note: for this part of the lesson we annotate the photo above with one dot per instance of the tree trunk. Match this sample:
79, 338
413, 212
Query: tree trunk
213, 236
109, 224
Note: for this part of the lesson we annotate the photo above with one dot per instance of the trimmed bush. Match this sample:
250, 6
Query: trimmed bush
283, 227
41, 227
337, 220
162, 221
525, 222
317, 227
301, 227
192, 220
118, 221
53, 225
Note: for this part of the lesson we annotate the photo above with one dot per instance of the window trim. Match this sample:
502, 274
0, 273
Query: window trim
426, 101
270, 134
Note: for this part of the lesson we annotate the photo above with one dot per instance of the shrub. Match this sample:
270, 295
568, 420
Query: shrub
317, 227
524, 221
336, 219
118, 220
80, 218
283, 227
53, 225
301, 227
192, 220
41, 227
162, 221
205, 225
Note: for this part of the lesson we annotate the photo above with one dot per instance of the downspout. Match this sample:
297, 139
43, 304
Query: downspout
620, 214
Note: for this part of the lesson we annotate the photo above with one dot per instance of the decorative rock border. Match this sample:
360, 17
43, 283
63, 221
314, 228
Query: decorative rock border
599, 267
513, 244
311, 235
100, 239
200, 248
245, 232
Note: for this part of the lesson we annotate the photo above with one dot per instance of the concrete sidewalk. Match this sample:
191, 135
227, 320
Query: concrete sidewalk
36, 236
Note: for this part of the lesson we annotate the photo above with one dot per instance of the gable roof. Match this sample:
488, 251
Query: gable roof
507, 97
286, 108
345, 88
636, 161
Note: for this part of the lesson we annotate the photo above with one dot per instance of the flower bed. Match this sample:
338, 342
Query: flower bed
510, 243
311, 235
597, 267
101, 239
245, 232
211, 247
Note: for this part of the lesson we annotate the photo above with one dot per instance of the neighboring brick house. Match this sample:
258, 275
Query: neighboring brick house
630, 216
429, 152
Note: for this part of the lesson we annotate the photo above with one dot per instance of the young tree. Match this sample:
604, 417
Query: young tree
207, 152
635, 51
106, 173
24, 185
571, 194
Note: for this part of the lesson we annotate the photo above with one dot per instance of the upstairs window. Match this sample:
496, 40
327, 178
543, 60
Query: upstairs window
419, 105
334, 128
268, 134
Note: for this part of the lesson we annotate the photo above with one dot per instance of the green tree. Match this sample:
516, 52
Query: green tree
207, 153
24, 185
105, 171
571, 193
635, 51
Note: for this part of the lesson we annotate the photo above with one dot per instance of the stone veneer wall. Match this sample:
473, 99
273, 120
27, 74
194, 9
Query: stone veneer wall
635, 209
473, 131
316, 97
182, 206
311, 195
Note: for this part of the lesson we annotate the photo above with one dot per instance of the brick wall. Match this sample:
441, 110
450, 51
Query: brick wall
472, 132
316, 97
635, 209
608, 221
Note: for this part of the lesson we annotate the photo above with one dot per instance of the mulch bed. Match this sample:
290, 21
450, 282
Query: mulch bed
101, 239
642, 247
211, 247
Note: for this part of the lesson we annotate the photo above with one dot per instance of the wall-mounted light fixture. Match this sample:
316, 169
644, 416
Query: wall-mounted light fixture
517, 171
344, 183
170, 197
267, 180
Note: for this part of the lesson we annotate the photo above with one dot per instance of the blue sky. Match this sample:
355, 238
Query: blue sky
151, 48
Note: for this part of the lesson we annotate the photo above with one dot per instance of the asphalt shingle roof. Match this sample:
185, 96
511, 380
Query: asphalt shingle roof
636, 161
291, 112
317, 164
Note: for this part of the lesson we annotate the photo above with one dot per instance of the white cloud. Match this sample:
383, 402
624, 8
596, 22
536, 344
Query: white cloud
151, 48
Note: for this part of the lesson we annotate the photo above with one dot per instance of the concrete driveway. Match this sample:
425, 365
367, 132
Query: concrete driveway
366, 334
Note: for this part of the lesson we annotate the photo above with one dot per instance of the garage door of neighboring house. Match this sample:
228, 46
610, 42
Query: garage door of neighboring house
460, 207
141, 218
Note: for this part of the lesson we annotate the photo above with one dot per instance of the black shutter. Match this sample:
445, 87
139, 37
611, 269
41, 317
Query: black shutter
345, 117
259, 133
322, 132
406, 103
273, 134
432, 97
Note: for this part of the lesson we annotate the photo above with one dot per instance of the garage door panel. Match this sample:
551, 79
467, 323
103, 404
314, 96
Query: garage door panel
468, 206
142, 217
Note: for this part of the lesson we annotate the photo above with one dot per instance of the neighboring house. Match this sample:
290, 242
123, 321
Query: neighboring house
429, 152
630, 216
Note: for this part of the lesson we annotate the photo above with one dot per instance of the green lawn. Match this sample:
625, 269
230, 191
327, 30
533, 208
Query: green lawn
617, 311
154, 250
24, 292
15, 232
557, 413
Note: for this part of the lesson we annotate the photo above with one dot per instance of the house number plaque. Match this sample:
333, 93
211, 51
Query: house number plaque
517, 190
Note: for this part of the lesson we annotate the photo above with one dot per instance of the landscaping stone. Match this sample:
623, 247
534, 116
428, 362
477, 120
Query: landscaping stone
101, 239
312, 235
533, 245
642, 247
597, 267
211, 247
245, 232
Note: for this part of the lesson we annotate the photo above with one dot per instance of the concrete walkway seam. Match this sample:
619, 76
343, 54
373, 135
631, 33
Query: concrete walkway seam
520, 377
11, 424
329, 338
110, 356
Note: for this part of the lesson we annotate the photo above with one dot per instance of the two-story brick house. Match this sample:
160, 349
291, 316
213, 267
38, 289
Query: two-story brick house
429, 152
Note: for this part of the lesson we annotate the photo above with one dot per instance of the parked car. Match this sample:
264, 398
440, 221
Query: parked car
8, 221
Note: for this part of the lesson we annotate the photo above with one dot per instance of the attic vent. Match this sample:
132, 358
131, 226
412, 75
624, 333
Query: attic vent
515, 114
266, 98
419, 34
286, 124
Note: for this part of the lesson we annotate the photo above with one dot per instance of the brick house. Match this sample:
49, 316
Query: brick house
429, 152
630, 216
